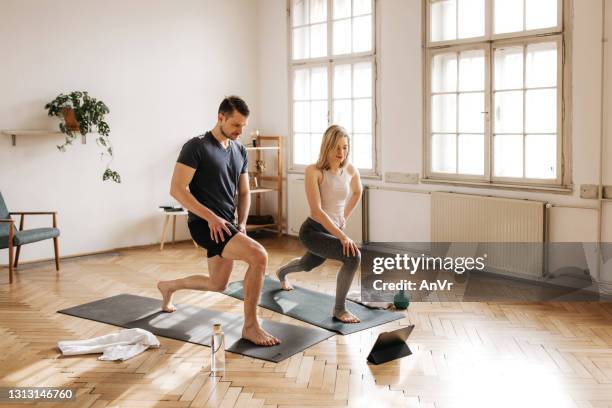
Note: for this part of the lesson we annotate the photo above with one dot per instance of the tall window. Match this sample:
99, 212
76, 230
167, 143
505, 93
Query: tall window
494, 91
333, 77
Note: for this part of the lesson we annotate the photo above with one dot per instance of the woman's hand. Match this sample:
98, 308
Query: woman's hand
217, 225
349, 247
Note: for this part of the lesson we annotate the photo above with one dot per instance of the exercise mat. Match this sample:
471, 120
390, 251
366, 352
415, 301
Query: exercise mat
313, 307
194, 325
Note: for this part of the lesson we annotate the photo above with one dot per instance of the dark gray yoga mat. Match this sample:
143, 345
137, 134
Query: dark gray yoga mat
314, 307
194, 325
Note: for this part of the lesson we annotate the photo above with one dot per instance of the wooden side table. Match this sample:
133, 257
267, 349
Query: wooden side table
167, 216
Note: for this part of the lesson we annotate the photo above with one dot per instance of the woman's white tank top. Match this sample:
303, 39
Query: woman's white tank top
335, 190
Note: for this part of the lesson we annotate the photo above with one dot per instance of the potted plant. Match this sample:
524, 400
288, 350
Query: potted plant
81, 113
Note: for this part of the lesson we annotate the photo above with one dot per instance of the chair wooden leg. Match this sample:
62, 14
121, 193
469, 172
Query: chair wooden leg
10, 262
56, 250
17, 256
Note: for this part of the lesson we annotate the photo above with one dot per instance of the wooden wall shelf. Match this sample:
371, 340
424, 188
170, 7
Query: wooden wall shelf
14, 133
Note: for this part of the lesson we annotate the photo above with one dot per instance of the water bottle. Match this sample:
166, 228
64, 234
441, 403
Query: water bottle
217, 351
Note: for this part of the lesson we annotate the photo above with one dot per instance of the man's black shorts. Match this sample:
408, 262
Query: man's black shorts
201, 235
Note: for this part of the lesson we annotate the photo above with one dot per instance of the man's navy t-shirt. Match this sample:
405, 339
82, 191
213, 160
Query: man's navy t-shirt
217, 173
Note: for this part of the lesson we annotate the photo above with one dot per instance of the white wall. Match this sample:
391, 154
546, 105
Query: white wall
161, 66
401, 123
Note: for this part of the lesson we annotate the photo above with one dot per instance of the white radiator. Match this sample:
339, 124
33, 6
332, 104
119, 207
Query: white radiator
509, 231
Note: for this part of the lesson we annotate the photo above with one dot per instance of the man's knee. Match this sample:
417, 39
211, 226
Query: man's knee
258, 257
218, 286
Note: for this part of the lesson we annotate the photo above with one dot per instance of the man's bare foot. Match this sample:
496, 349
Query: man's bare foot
166, 291
284, 283
346, 317
259, 336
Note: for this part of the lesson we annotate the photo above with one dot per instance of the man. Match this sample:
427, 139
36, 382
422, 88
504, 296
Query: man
213, 166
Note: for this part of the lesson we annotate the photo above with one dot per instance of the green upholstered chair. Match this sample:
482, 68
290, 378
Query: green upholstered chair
11, 238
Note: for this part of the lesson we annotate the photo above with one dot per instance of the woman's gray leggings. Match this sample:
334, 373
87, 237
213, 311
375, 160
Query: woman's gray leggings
321, 245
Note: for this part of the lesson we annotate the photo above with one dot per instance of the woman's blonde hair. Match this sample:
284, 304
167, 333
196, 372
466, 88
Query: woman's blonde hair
330, 139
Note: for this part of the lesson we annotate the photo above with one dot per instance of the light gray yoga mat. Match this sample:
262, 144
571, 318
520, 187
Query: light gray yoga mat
314, 307
194, 325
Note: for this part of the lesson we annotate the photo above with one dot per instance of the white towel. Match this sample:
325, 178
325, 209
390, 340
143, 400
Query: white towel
122, 345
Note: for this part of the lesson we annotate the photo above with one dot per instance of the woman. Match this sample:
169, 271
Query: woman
333, 189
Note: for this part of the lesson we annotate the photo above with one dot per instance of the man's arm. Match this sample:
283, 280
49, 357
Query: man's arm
178, 189
244, 201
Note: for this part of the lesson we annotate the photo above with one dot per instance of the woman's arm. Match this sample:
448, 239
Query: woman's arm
356, 190
313, 195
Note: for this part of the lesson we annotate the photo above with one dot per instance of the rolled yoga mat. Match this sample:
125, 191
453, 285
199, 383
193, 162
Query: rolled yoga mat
194, 325
314, 307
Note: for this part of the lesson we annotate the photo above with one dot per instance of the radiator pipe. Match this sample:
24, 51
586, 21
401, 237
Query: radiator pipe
602, 144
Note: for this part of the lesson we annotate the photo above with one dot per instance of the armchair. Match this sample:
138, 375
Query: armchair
11, 238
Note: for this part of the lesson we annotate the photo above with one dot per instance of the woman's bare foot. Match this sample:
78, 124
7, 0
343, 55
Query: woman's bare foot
166, 291
259, 336
346, 317
284, 283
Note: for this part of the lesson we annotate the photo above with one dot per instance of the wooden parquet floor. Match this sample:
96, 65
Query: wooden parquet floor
465, 354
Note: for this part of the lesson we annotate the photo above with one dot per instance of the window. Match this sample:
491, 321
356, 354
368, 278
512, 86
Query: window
494, 91
333, 73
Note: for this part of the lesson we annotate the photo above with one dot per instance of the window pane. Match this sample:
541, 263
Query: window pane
541, 65
362, 80
444, 73
318, 11
301, 84
472, 71
342, 81
471, 154
362, 34
471, 117
318, 116
508, 156
471, 18
342, 8
362, 150
315, 146
318, 40
362, 7
301, 43
508, 16
443, 20
301, 148
342, 37
299, 11
541, 14
318, 81
343, 114
443, 153
541, 156
444, 113
301, 117
509, 68
541, 111
509, 112
362, 115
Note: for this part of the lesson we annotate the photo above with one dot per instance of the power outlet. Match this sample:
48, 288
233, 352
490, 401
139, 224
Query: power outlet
589, 191
402, 178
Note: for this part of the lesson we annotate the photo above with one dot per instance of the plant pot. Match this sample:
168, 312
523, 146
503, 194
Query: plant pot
71, 120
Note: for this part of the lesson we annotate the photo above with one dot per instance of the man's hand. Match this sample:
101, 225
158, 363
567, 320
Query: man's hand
217, 225
242, 228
